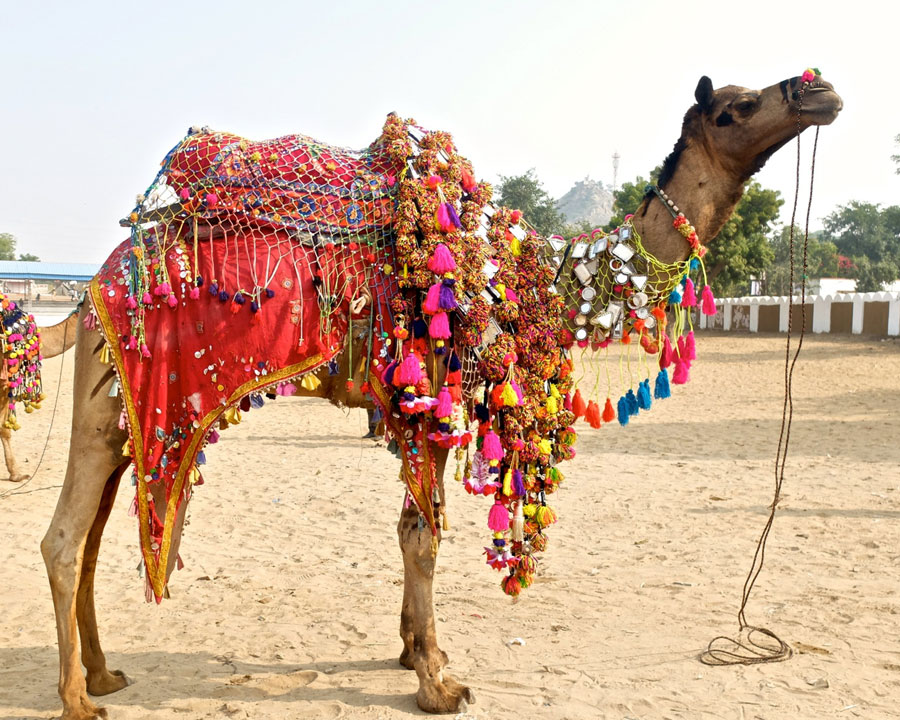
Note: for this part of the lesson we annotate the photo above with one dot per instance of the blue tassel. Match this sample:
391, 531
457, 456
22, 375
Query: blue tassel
675, 297
622, 409
643, 395
661, 391
333, 367
631, 403
201, 458
256, 401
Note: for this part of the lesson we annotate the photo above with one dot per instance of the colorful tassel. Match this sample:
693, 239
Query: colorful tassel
518, 483
644, 400
592, 414
409, 372
432, 302
498, 518
690, 351
439, 327
518, 525
689, 299
661, 389
682, 372
507, 483
444, 408
441, 261
578, 405
609, 413
708, 301
492, 449
667, 356
631, 402
623, 411
446, 299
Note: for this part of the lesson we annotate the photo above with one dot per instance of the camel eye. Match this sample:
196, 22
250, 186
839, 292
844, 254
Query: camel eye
745, 106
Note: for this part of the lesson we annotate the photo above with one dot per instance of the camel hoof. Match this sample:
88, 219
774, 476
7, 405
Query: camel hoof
86, 710
20, 477
107, 682
447, 696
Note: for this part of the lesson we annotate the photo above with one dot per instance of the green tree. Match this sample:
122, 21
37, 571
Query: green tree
822, 260
7, 246
870, 238
28, 257
742, 248
526, 193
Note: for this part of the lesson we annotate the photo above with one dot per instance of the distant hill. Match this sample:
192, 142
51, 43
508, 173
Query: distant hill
587, 200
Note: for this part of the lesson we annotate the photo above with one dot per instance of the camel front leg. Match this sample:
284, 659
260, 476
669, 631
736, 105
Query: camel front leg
438, 692
12, 467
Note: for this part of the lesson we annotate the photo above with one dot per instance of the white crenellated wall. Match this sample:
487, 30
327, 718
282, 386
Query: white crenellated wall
748, 309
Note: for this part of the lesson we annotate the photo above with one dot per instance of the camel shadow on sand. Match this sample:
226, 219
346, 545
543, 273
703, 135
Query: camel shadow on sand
159, 680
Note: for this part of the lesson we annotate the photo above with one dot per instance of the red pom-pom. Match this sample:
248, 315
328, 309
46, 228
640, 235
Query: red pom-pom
467, 180
578, 405
667, 355
609, 412
511, 585
349, 386
515, 216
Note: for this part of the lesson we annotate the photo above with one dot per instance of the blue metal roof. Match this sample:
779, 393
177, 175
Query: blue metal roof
23, 270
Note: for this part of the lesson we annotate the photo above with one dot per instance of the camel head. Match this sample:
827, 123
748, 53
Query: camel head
739, 129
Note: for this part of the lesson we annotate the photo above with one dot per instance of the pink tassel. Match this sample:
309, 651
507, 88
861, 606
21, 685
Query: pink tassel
122, 425
147, 299
90, 321
195, 293
443, 218
689, 299
498, 518
682, 372
492, 449
131, 303
172, 300
708, 301
442, 261
445, 404
409, 372
690, 350
439, 327
511, 295
432, 302
668, 354
682, 350
286, 389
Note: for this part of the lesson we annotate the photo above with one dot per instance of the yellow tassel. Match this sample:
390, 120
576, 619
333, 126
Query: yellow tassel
104, 354
554, 391
126, 451
310, 382
545, 447
445, 523
508, 396
434, 545
552, 406
515, 246
233, 415
193, 475
507, 483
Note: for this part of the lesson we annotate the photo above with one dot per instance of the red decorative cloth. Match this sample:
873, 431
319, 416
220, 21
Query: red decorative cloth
206, 354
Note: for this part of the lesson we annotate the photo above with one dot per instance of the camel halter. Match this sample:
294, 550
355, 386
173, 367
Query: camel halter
757, 644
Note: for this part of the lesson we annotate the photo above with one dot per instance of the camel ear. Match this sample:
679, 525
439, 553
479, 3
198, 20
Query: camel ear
704, 94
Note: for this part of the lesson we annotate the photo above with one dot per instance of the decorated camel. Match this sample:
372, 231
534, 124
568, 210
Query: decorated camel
382, 277
22, 346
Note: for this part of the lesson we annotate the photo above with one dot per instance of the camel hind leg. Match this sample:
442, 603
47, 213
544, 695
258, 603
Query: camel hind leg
100, 681
72, 541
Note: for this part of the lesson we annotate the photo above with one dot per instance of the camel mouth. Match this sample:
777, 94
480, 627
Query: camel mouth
821, 105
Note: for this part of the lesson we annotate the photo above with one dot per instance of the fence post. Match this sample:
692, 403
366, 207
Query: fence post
726, 318
821, 320
893, 327
784, 314
859, 309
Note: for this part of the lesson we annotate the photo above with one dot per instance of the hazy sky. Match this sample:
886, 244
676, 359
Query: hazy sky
93, 94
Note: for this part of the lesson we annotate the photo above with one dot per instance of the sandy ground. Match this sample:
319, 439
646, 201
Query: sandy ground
289, 604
